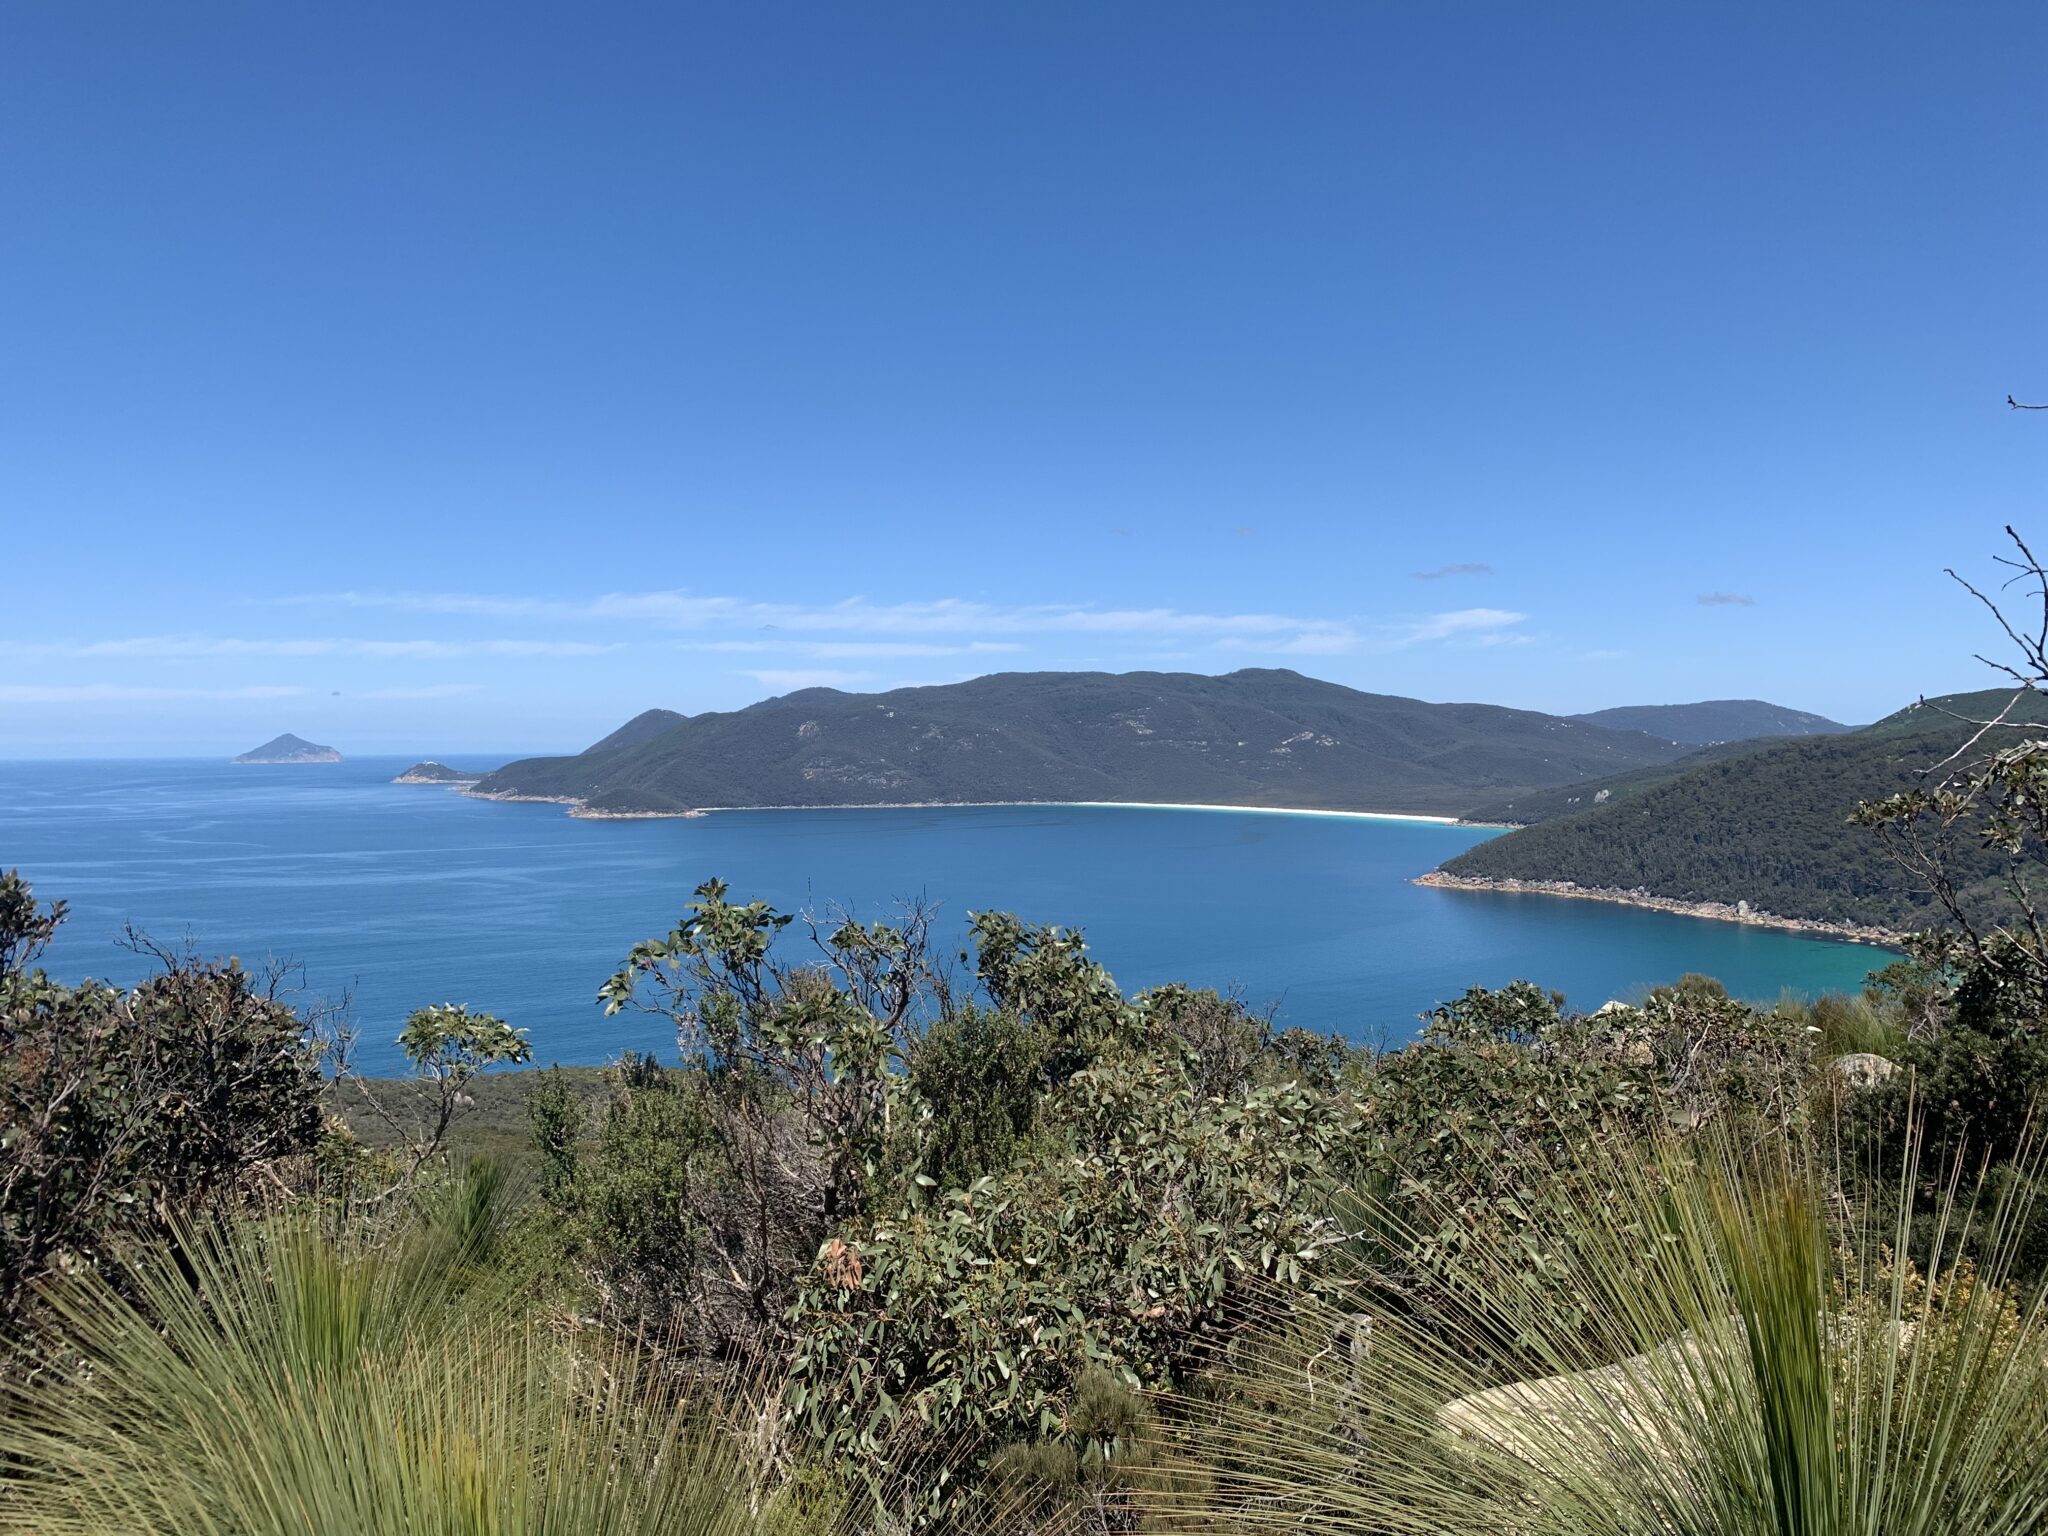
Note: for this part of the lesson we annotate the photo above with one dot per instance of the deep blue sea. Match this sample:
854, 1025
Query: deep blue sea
403, 895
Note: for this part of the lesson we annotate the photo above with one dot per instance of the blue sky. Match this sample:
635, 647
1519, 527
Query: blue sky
467, 378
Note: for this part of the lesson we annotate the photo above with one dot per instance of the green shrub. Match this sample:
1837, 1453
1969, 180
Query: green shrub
976, 1082
121, 1111
966, 1318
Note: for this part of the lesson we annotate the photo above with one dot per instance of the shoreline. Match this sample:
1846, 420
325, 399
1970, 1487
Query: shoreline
579, 809
1717, 911
576, 807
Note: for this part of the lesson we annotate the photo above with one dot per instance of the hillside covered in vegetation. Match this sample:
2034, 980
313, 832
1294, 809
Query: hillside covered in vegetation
1528, 807
1766, 823
645, 726
1714, 720
1254, 737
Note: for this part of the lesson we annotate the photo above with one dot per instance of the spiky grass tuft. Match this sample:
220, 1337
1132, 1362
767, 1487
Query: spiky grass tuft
1722, 1344
274, 1379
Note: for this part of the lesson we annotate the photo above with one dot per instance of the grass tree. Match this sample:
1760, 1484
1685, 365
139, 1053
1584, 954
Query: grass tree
1723, 1344
271, 1378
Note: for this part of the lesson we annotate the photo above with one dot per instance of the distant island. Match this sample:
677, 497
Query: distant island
290, 749
431, 772
1260, 737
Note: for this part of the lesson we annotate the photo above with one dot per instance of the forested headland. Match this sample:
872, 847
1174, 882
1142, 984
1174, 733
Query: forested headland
1767, 823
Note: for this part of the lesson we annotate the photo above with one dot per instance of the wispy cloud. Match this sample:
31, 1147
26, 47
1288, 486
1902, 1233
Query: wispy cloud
1468, 626
853, 650
117, 693
853, 616
1334, 642
1461, 569
1725, 600
169, 647
788, 681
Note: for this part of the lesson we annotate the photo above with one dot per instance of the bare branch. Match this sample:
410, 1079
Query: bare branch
1984, 727
2030, 653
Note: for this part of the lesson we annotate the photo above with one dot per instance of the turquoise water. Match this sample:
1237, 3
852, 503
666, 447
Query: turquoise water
401, 896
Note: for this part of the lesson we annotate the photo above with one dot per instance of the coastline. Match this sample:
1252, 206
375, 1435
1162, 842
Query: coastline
507, 797
576, 807
1719, 911
579, 809
1120, 805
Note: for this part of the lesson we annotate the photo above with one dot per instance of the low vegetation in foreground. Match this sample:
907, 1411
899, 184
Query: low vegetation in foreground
886, 1247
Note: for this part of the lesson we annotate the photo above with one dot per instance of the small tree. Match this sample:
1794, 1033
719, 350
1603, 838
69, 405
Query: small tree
1976, 833
448, 1045
777, 1126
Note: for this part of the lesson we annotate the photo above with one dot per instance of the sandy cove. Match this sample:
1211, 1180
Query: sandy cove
588, 813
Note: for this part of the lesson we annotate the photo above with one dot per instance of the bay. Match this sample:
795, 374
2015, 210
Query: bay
401, 895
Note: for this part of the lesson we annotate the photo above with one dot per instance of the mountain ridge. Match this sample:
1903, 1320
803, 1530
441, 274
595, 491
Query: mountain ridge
1255, 737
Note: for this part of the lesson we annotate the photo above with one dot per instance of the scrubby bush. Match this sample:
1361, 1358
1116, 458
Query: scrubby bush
940, 1210
937, 1210
977, 1079
968, 1316
121, 1111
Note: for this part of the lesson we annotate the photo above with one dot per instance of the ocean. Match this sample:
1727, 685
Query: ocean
395, 896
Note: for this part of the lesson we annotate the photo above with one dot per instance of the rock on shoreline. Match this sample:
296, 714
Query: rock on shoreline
1720, 911
576, 807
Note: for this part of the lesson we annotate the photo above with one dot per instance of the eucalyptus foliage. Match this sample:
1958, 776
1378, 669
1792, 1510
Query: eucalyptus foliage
970, 1316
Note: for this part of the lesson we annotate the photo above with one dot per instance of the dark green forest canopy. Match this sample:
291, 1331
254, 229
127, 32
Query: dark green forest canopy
1767, 823
1257, 737
1529, 807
